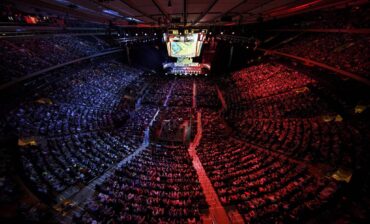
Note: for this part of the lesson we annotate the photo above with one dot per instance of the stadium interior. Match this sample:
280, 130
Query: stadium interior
184, 111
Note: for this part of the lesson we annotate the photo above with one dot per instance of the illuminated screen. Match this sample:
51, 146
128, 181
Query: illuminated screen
183, 49
181, 46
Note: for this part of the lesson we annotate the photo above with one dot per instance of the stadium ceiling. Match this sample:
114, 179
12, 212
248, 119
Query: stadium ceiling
152, 13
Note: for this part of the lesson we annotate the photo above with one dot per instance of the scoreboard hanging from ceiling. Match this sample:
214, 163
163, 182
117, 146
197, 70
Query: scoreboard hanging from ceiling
184, 43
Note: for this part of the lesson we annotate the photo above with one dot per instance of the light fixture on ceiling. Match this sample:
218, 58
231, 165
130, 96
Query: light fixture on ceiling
169, 3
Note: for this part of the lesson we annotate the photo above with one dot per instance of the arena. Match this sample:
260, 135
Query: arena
184, 111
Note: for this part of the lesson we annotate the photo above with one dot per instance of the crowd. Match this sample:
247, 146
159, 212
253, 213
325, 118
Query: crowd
206, 94
159, 186
74, 159
267, 80
349, 52
182, 93
263, 186
257, 153
85, 100
297, 121
22, 56
310, 139
8, 187
74, 124
157, 92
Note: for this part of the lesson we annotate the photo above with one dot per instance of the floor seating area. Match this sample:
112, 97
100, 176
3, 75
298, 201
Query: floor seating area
182, 93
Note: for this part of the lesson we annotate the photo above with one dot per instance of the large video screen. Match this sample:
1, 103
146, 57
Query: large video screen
183, 49
187, 45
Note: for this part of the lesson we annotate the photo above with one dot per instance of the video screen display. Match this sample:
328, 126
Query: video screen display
187, 45
183, 49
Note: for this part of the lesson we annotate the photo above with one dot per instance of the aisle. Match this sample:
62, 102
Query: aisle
221, 97
217, 211
194, 95
165, 104
79, 197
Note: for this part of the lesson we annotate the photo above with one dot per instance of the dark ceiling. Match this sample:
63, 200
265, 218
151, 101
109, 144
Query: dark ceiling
150, 13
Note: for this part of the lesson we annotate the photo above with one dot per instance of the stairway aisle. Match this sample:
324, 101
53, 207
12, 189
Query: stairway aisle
194, 95
168, 96
217, 211
221, 97
80, 197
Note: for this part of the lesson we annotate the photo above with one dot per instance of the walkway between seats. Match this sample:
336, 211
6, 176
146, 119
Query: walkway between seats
82, 197
221, 97
194, 95
217, 211
165, 104
79, 197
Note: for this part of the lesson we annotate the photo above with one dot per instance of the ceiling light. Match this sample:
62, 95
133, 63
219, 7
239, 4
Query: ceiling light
111, 12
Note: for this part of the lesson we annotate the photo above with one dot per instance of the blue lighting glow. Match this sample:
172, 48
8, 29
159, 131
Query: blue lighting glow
133, 19
111, 12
